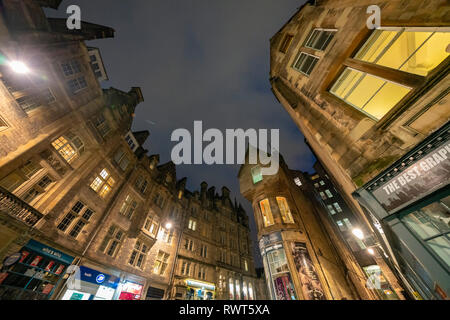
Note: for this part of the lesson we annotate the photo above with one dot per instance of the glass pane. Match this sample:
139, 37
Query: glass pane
430, 55
389, 95
441, 246
375, 45
346, 82
366, 88
402, 48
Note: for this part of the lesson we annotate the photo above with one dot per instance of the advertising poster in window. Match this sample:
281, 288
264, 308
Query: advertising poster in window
284, 289
311, 286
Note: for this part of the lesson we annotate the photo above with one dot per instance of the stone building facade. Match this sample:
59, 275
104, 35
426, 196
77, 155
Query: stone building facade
364, 97
85, 213
303, 256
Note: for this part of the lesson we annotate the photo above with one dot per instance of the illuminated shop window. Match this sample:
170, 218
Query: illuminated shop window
250, 291
244, 291
256, 174
286, 214
286, 43
238, 290
416, 51
266, 212
231, 289
319, 38
305, 63
432, 224
373, 95
103, 183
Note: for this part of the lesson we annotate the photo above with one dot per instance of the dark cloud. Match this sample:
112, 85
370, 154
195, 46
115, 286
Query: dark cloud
197, 60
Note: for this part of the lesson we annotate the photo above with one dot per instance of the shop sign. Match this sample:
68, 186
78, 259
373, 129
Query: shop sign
412, 182
96, 277
198, 284
49, 251
12, 259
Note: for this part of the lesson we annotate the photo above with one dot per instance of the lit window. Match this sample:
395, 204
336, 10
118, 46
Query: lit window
338, 207
256, 174
329, 194
330, 208
103, 183
341, 225
284, 210
161, 263
305, 63
297, 181
416, 52
322, 183
347, 223
286, 43
373, 95
322, 195
165, 235
266, 212
231, 289
151, 226
192, 224
68, 146
245, 265
319, 39
316, 185
138, 255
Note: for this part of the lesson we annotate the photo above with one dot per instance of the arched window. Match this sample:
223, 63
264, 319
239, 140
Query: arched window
266, 212
69, 146
284, 210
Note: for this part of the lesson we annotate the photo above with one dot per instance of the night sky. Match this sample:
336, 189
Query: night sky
197, 60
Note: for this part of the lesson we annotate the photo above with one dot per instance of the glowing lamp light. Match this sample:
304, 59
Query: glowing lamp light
19, 67
168, 225
358, 233
371, 251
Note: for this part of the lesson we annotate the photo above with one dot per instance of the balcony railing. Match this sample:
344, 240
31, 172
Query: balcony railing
17, 208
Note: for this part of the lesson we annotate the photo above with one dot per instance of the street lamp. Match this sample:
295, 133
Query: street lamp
19, 67
371, 251
168, 225
358, 233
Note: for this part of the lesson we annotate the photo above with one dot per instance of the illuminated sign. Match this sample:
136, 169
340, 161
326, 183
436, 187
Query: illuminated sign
199, 284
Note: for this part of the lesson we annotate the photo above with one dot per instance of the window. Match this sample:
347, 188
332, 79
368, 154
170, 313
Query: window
322, 195
3, 124
347, 223
102, 125
121, 159
373, 95
166, 235
201, 273
138, 255
250, 291
128, 207
245, 265
158, 200
112, 241
297, 181
256, 174
161, 263
130, 142
33, 100
322, 183
238, 290
286, 43
103, 183
319, 38
331, 209
15, 179
69, 146
284, 210
418, 51
231, 289
431, 224
79, 210
316, 185
189, 244
341, 225
337, 206
305, 63
141, 184
329, 194
266, 212
151, 226
77, 84
203, 251
71, 67
38, 189
192, 224
185, 268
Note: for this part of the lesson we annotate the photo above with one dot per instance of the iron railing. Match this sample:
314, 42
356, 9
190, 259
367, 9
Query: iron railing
15, 207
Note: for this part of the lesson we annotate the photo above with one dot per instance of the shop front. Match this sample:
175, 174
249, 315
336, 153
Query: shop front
33, 272
130, 290
90, 284
409, 203
199, 290
278, 275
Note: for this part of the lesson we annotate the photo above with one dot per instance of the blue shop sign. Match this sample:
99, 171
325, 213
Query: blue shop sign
49, 251
99, 278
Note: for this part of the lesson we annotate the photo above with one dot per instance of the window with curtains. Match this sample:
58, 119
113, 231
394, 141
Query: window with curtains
266, 212
286, 214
